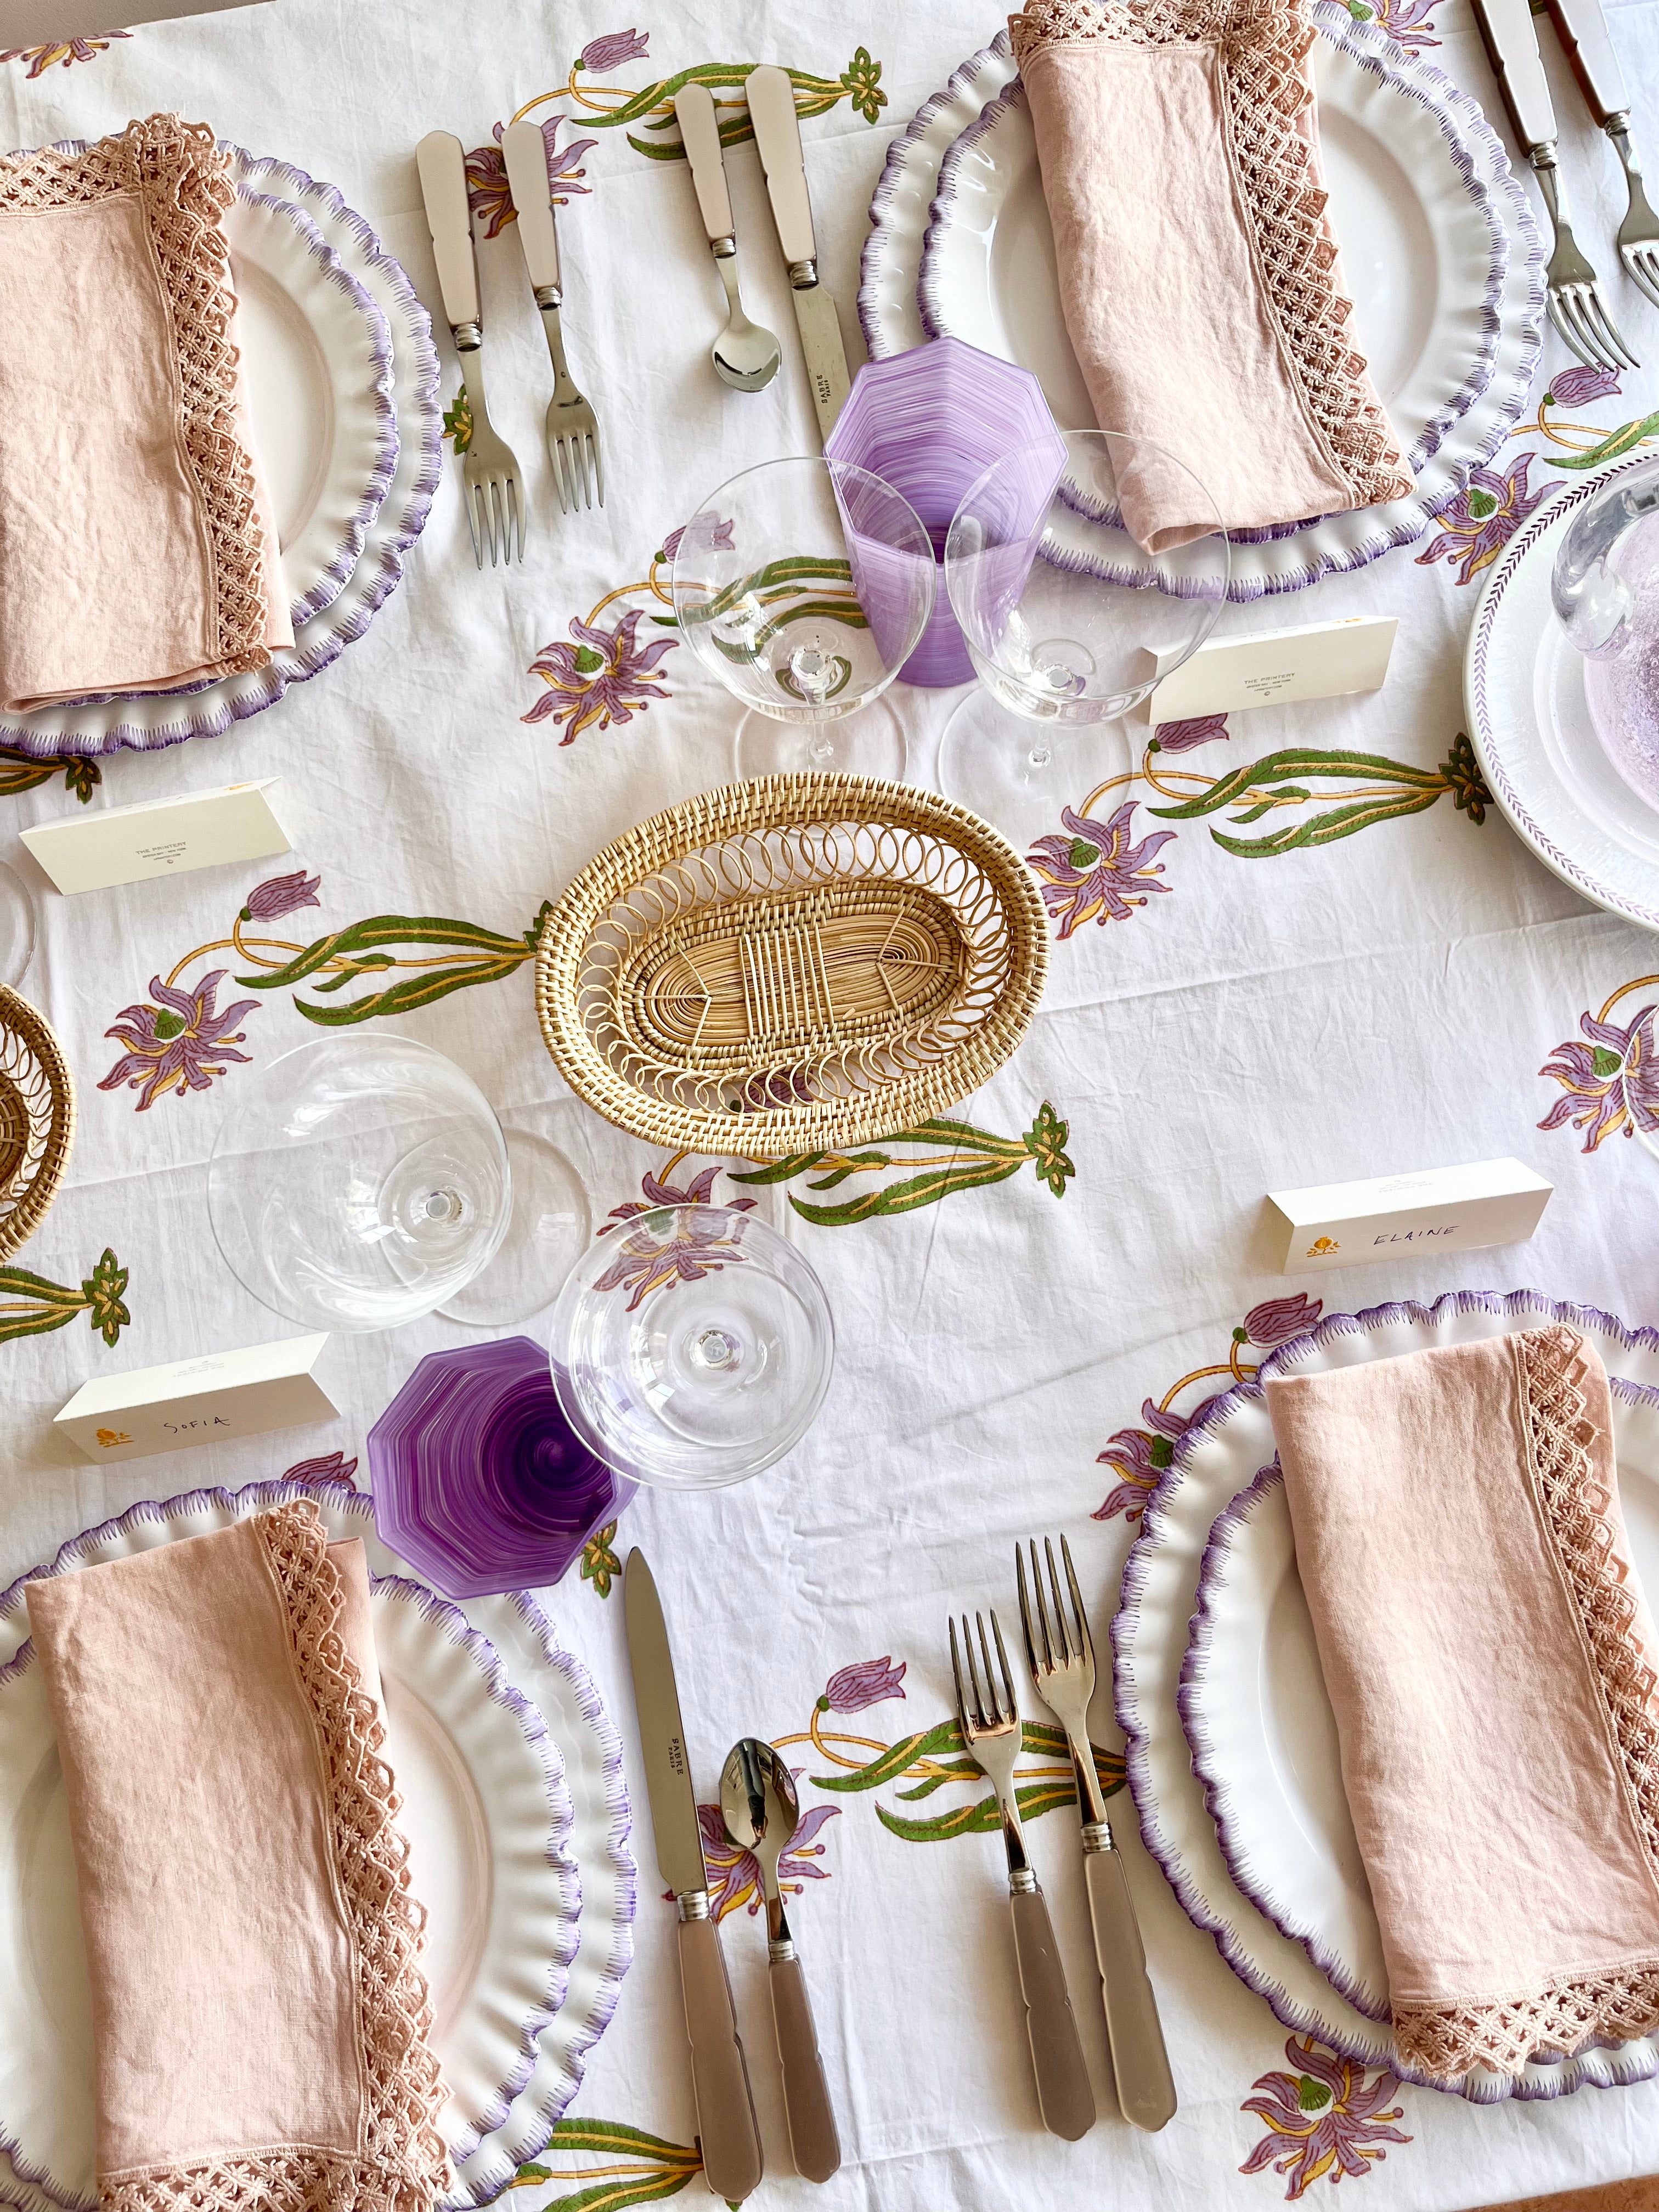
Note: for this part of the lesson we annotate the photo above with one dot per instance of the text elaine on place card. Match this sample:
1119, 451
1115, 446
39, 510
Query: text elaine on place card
199, 1401
1348, 1224
1274, 667
159, 837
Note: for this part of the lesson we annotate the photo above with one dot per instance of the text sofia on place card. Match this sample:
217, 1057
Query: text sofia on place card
1276, 667
1350, 1225
199, 1401
159, 837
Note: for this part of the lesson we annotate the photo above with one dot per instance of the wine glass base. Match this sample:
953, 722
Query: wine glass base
17, 928
869, 743
1018, 775
548, 1233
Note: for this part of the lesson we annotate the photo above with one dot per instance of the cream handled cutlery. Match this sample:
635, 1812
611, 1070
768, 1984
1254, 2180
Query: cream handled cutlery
745, 355
732, 2159
1581, 27
762, 1811
771, 98
1062, 1661
573, 432
494, 495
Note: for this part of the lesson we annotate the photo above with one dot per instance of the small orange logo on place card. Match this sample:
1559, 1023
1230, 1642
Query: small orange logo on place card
1316, 1251
109, 1436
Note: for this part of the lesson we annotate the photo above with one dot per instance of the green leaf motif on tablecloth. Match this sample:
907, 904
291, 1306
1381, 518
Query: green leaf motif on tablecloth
458, 421
28, 771
934, 1758
1397, 789
599, 1565
31, 1306
1621, 440
953, 1156
635, 2168
362, 949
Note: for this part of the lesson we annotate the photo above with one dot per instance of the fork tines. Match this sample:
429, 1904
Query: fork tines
492, 510
578, 471
987, 1712
1048, 1652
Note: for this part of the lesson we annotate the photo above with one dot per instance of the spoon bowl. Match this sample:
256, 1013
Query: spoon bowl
758, 1804
745, 355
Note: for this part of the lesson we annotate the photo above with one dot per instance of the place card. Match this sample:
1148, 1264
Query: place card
48, 22
1274, 667
199, 1401
1350, 1225
159, 837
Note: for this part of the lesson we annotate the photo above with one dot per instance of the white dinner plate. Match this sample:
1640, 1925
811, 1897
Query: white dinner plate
1523, 689
516, 1817
1440, 251
1219, 1456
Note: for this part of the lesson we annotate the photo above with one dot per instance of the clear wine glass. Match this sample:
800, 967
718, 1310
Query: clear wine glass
1070, 619
17, 928
804, 584
691, 1347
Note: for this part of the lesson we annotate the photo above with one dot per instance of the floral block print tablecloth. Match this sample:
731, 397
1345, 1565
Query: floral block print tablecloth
1296, 946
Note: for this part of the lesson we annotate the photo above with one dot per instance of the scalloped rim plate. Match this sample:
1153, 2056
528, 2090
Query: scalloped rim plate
1228, 1444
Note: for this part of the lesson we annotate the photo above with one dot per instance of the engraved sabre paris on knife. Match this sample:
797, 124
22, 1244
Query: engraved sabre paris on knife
771, 100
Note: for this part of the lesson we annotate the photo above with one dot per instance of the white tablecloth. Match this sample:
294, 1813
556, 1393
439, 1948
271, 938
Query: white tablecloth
1222, 1025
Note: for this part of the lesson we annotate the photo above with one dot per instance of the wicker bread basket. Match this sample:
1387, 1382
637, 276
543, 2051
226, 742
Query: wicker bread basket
790, 965
36, 1120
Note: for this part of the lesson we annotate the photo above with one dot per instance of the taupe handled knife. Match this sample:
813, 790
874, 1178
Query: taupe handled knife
732, 2161
771, 98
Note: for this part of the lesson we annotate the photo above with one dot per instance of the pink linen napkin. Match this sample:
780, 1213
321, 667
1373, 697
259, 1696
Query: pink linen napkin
1492, 1666
1198, 268
137, 547
259, 2016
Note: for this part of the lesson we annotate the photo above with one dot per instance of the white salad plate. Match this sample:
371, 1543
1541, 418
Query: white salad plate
1523, 689
1440, 253
342, 380
1259, 1847
516, 1815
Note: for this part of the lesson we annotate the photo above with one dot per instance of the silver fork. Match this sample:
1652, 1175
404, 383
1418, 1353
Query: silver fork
1582, 29
573, 432
495, 498
1062, 1661
1577, 307
991, 1730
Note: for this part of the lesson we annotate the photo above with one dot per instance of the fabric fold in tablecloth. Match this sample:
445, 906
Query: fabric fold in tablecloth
1492, 1666
260, 2020
137, 551
1198, 268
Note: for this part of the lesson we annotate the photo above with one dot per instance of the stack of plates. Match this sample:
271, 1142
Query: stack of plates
1232, 1751
343, 388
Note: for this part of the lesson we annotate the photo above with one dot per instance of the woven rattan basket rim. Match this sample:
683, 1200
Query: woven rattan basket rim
745, 809
29, 1209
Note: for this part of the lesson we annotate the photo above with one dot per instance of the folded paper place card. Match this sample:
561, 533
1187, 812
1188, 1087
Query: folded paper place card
159, 837
199, 1401
1274, 667
1347, 1224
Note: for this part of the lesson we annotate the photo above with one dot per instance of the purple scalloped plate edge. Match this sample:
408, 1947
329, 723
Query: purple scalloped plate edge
259, 1496
1474, 695
1510, 1303
388, 556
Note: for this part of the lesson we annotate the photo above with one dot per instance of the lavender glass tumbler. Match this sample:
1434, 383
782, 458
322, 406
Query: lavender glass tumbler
1606, 590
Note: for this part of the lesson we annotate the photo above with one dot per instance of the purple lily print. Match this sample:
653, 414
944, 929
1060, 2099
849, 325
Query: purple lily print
179, 1044
1139, 1456
1323, 2117
1409, 22
1094, 873
698, 1192
851, 1689
734, 1877
282, 894
487, 190
1609, 1078
665, 1248
1483, 518
1196, 730
605, 675
611, 49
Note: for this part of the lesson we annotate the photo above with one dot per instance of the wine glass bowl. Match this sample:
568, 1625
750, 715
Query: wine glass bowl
691, 1347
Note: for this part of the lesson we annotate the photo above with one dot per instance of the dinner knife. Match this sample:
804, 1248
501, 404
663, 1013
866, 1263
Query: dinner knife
771, 99
732, 2160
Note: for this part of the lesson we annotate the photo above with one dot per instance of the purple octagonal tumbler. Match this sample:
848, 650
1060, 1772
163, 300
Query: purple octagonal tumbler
479, 1481
930, 423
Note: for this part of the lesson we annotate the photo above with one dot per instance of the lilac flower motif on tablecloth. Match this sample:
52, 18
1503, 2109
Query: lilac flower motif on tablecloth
333, 1466
1322, 2118
1139, 1456
178, 1044
1094, 873
66, 51
720, 538
1196, 730
1609, 1079
698, 1192
1409, 22
1276, 1321
1483, 518
735, 1878
605, 677
281, 895
1577, 385
487, 190
851, 1689
663, 1249
612, 50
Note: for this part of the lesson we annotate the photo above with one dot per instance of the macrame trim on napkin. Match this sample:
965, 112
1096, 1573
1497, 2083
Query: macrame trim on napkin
1615, 2004
401, 2165
1266, 96
182, 184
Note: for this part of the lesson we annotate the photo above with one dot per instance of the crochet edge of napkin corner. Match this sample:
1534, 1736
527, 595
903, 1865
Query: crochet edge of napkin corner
182, 183
1263, 46
1502, 2033
401, 2164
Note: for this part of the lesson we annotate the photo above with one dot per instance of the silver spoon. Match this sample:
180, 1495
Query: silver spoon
744, 355
762, 1811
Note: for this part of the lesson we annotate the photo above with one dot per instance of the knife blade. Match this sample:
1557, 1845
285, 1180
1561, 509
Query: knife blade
732, 2159
771, 101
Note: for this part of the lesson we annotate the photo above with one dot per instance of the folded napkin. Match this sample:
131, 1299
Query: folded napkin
1492, 1665
1198, 268
138, 550
259, 2016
